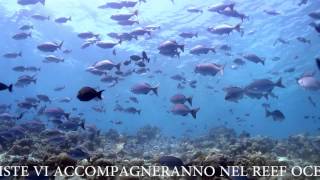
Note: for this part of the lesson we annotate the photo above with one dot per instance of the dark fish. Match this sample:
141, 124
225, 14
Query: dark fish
61, 20
132, 110
304, 40
59, 88
30, 2
88, 93
209, 69
234, 94
290, 70
56, 113
225, 47
188, 34
276, 115
195, 10
233, 13
170, 46
43, 98
12, 55
134, 99
312, 101
27, 105
67, 51
135, 57
87, 35
5, 87
181, 99
315, 15
123, 17
280, 40
26, 27
128, 22
145, 56
112, 5
272, 12
126, 63
239, 61
171, 162
178, 77
21, 36
263, 85
49, 46
318, 63
183, 110
40, 17
254, 58
26, 80
140, 32
302, 2
78, 153
144, 88
200, 49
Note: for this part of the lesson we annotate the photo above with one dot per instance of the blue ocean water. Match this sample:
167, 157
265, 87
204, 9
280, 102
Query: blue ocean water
260, 32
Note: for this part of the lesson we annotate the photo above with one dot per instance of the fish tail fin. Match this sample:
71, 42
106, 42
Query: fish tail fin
35, 106
67, 115
20, 116
69, 18
10, 88
213, 50
189, 99
318, 63
137, 22
155, 90
43, 2
114, 52
222, 70
149, 33
194, 112
231, 6
30, 34
196, 34
139, 112
136, 12
99, 94
82, 124
48, 17
118, 66
201, 11
60, 45
268, 113
238, 27
120, 41
266, 96
263, 61
279, 83
182, 48
20, 54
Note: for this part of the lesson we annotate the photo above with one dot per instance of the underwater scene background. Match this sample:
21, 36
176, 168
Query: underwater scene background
250, 68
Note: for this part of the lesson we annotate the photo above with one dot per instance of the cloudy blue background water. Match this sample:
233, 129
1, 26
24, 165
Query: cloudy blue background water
261, 31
